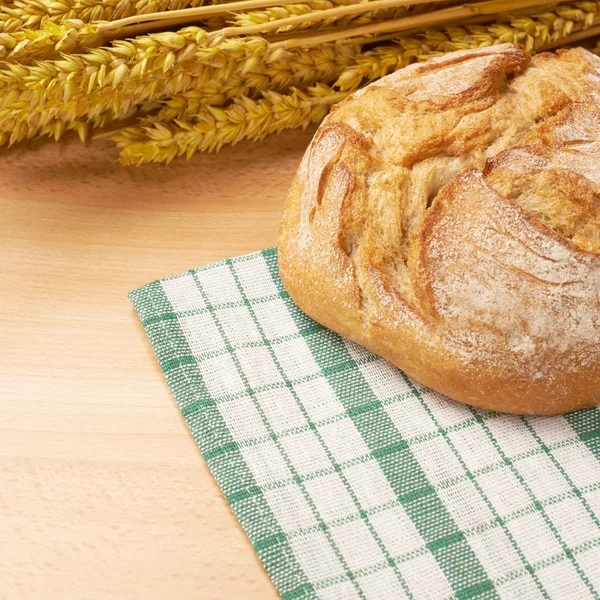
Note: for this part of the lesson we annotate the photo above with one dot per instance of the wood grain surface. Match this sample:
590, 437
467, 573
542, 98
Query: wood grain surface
103, 493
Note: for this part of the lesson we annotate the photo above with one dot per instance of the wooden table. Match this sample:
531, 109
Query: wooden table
103, 493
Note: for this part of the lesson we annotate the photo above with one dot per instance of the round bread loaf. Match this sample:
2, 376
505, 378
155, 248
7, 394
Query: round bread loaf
447, 217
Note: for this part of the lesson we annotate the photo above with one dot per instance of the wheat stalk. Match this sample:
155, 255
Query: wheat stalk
144, 23
540, 32
345, 15
31, 14
245, 118
168, 19
487, 9
280, 11
328, 16
27, 41
55, 128
122, 77
49, 41
74, 35
184, 125
100, 10
197, 76
167, 64
87, 85
296, 69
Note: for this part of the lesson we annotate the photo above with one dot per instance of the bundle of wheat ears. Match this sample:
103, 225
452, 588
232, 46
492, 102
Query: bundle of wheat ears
168, 78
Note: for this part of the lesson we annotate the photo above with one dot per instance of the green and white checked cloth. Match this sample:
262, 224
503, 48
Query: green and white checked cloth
353, 481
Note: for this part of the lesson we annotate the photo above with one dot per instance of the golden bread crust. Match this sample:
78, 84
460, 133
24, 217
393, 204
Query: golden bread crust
447, 217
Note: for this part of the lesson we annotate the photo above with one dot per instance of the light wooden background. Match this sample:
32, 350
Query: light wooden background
103, 493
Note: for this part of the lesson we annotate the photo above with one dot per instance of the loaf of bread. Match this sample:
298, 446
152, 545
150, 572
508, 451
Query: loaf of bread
447, 217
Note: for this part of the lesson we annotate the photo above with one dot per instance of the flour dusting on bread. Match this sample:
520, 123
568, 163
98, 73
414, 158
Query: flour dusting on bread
448, 217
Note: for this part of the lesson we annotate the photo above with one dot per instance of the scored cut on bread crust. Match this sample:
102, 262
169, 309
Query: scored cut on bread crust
447, 217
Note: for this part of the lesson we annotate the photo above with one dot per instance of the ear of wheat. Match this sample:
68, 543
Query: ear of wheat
83, 65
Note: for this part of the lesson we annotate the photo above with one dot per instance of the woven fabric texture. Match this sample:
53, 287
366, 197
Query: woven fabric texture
353, 481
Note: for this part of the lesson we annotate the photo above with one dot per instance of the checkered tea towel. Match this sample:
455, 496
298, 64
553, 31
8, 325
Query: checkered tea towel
353, 481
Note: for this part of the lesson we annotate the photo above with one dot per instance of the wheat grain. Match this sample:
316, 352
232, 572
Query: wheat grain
31, 14
49, 41
487, 10
245, 118
415, 19
56, 128
356, 14
298, 69
185, 124
134, 72
534, 33
103, 79
80, 86
190, 78
63, 29
27, 14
